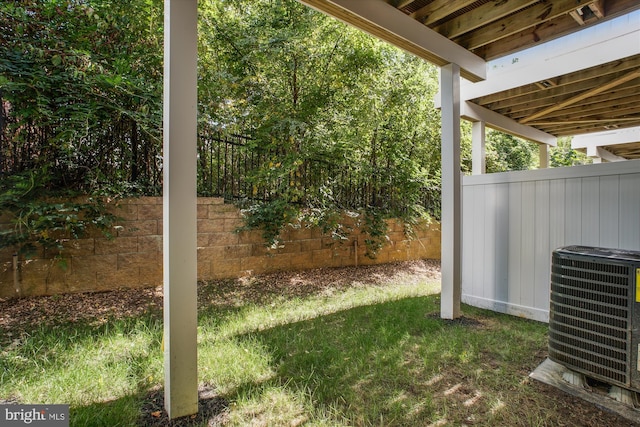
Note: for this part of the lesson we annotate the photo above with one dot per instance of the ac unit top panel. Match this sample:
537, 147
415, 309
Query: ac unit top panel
605, 253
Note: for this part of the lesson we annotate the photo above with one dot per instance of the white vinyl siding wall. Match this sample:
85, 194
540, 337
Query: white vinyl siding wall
513, 221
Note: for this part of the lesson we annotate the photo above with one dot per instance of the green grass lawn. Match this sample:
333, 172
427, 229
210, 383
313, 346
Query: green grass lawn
363, 355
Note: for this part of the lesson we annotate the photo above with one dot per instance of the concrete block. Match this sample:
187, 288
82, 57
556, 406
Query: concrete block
260, 250
249, 237
210, 225
302, 233
91, 265
139, 228
303, 261
79, 247
238, 251
123, 278
210, 201
117, 245
279, 262
126, 210
151, 276
202, 211
138, 260
223, 239
397, 255
309, 245
254, 264
204, 270
208, 253
232, 225
150, 212
150, 244
289, 247
226, 268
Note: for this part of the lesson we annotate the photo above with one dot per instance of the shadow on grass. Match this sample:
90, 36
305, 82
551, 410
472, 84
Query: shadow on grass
391, 363
394, 363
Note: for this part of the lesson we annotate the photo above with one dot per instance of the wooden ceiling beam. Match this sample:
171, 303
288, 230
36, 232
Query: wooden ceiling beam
401, 4
528, 105
564, 129
626, 107
627, 77
524, 93
481, 16
573, 122
439, 9
625, 116
546, 31
612, 105
513, 24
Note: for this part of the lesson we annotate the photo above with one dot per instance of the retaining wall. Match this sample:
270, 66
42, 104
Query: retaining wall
134, 258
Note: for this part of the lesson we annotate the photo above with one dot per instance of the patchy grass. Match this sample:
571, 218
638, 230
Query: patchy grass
329, 348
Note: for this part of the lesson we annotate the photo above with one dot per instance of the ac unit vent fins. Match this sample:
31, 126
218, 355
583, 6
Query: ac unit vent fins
589, 325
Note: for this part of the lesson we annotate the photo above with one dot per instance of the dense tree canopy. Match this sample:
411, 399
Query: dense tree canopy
80, 86
338, 120
312, 89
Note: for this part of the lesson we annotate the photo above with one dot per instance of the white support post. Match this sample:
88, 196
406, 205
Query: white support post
179, 207
543, 150
478, 152
451, 229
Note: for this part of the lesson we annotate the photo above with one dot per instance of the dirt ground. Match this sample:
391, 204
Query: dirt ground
18, 315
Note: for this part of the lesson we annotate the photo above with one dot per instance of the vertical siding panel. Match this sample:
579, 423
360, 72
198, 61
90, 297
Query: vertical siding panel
542, 252
467, 238
573, 211
515, 239
630, 211
502, 243
489, 249
609, 211
591, 211
478, 241
527, 253
557, 199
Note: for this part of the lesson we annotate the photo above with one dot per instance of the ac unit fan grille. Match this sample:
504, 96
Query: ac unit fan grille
589, 324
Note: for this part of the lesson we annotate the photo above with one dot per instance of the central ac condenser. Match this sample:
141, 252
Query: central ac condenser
594, 315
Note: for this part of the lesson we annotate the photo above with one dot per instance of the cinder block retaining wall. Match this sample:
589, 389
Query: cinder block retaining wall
134, 258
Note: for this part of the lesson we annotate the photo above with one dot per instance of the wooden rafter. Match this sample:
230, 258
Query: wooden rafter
439, 9
574, 122
627, 77
527, 18
479, 17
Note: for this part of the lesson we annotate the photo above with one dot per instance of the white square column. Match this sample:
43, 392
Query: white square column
179, 207
451, 225
478, 149
543, 153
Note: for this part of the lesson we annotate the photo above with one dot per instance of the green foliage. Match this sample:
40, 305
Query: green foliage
42, 219
563, 155
339, 111
271, 218
375, 227
506, 152
81, 101
80, 113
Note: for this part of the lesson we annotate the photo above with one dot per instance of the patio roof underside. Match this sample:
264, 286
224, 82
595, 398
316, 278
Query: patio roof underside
590, 100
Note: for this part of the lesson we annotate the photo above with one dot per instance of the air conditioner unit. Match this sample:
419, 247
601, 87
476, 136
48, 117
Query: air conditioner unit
594, 316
